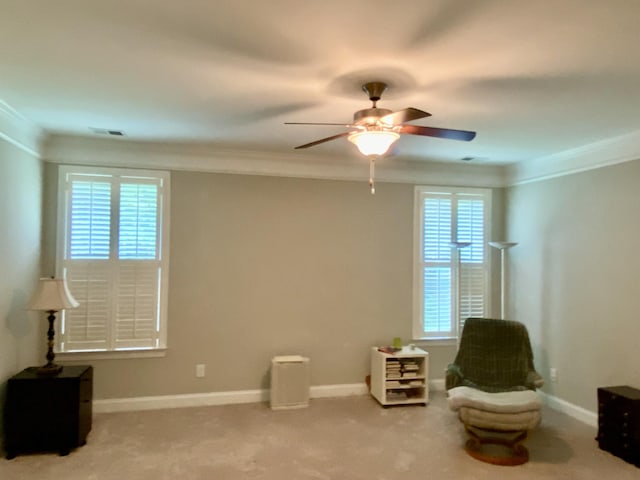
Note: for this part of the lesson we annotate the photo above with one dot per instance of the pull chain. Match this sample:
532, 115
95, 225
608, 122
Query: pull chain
372, 172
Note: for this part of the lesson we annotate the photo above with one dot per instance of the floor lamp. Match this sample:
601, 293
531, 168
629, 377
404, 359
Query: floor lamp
457, 246
502, 246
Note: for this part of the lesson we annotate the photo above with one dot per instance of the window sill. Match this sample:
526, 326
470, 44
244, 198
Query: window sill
112, 355
435, 342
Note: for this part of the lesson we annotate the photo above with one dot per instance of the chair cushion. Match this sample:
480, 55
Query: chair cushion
506, 422
505, 411
501, 402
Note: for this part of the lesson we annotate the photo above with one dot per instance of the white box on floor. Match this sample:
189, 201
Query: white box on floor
289, 382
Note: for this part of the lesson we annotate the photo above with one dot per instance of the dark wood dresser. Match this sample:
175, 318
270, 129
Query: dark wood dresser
619, 422
48, 413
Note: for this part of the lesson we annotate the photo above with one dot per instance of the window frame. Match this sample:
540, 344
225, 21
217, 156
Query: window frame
420, 193
163, 179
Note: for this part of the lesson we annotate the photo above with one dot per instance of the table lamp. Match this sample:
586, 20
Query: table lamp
52, 295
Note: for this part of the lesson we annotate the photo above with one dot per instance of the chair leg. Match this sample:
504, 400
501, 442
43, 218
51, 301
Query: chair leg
516, 453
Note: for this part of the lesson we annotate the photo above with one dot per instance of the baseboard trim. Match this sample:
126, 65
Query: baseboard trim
579, 413
340, 390
216, 398
318, 391
437, 385
177, 401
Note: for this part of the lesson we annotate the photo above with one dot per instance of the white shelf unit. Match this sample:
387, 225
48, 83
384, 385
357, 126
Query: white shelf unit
401, 378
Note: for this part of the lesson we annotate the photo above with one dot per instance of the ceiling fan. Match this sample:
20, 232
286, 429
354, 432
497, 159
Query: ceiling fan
384, 124
375, 129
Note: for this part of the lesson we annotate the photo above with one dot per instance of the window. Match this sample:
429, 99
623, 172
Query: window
113, 251
443, 216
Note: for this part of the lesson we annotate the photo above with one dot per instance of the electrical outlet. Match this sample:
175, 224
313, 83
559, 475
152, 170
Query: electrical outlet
553, 374
200, 370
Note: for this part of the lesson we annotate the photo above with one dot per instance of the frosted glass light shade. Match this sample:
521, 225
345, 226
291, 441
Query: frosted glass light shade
373, 142
52, 294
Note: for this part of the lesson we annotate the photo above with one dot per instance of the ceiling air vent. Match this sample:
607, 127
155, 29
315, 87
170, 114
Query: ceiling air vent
106, 131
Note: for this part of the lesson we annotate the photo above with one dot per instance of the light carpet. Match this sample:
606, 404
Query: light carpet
349, 438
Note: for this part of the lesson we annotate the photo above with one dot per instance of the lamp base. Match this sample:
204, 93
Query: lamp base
49, 369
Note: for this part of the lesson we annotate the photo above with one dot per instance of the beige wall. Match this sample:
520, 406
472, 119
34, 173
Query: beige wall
22, 338
575, 277
264, 266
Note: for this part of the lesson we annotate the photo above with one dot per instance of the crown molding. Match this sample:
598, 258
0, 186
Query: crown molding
18, 131
115, 152
612, 151
64, 149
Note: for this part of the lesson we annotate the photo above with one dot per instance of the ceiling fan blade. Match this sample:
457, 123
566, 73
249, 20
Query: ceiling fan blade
322, 140
316, 123
403, 116
464, 135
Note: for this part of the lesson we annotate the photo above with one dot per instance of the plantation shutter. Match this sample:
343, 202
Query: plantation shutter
447, 216
437, 265
138, 232
90, 220
113, 264
136, 318
139, 269
87, 326
470, 228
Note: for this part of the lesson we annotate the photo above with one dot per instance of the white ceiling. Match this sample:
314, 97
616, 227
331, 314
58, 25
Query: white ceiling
531, 77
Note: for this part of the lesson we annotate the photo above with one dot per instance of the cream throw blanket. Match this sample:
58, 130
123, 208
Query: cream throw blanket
507, 411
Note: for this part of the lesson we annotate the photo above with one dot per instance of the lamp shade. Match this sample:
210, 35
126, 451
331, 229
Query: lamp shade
52, 294
373, 142
503, 245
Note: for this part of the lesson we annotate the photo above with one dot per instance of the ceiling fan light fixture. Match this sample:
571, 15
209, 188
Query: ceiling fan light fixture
373, 142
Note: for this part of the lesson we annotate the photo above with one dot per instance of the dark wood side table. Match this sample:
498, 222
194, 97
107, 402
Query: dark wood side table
619, 422
48, 413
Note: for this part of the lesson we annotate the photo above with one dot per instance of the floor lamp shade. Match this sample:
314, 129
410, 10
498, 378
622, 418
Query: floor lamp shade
51, 295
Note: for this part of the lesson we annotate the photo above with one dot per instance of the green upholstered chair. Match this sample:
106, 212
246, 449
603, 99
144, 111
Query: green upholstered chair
491, 385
